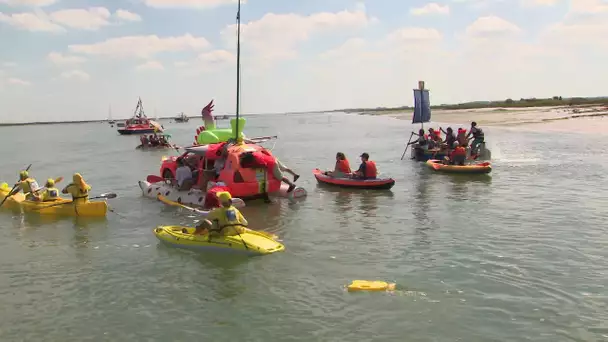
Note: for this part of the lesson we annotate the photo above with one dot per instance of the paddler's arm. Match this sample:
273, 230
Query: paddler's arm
65, 190
241, 218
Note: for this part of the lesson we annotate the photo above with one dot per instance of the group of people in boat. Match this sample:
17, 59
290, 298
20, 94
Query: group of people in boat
154, 140
454, 145
367, 169
78, 189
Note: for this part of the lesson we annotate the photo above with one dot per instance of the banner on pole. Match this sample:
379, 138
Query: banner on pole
422, 106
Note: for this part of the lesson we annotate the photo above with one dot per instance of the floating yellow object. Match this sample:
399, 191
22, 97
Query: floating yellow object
371, 285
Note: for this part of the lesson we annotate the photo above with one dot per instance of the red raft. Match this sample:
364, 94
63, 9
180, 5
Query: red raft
379, 184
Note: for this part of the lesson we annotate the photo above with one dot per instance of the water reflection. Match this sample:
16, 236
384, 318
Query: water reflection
422, 207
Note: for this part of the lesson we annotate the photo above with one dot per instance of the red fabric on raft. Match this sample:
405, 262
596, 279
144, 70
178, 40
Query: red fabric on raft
211, 200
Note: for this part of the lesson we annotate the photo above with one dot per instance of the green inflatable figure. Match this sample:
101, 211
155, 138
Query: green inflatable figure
209, 134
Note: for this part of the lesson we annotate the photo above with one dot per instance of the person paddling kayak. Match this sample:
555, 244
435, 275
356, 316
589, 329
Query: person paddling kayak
28, 185
79, 189
226, 220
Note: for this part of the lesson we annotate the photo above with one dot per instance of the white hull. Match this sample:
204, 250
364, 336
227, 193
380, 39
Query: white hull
193, 197
298, 192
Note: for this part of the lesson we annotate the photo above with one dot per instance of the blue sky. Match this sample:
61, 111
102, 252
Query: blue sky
72, 59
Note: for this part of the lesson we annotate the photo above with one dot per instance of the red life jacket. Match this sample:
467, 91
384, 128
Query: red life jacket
211, 200
343, 166
370, 169
458, 151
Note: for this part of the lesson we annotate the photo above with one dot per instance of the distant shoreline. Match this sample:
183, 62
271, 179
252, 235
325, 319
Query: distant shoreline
507, 104
7, 124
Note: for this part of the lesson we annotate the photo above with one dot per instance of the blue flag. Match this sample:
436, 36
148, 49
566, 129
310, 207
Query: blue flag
422, 106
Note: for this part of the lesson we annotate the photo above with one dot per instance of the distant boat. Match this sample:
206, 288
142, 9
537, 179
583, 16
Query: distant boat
139, 123
181, 117
110, 121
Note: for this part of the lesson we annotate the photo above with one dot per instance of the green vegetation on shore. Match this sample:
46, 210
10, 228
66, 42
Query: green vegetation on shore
556, 101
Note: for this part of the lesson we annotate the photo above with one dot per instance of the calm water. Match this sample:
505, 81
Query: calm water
516, 256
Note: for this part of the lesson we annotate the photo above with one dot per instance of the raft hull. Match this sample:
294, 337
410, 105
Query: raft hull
369, 184
250, 242
466, 169
66, 208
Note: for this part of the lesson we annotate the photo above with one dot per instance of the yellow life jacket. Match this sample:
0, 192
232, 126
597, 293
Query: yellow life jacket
229, 220
50, 194
77, 193
29, 184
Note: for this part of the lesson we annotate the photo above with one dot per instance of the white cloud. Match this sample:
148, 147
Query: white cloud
34, 22
416, 35
588, 7
31, 3
198, 4
59, 59
18, 81
213, 61
491, 26
78, 75
127, 16
431, 8
538, 3
85, 19
150, 66
275, 36
141, 46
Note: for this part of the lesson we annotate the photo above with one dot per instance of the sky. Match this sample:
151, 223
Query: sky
76, 59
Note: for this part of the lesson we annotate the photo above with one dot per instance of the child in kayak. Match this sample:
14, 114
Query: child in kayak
226, 220
50, 193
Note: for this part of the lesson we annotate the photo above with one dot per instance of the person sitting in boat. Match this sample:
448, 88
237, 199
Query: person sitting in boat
367, 169
478, 137
342, 168
183, 175
226, 220
28, 185
79, 189
153, 140
450, 137
268, 162
458, 155
50, 193
144, 141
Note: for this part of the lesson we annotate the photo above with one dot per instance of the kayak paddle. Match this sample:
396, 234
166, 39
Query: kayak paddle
10, 193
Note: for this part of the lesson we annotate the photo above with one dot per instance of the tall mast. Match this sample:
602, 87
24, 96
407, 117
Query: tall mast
238, 68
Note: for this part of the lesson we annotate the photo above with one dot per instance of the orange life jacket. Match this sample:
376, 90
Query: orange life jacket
370, 169
458, 151
343, 166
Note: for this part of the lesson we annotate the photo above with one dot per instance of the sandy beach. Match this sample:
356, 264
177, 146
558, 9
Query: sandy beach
563, 118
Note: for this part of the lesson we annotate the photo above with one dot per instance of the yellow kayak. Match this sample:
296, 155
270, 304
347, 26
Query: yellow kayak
437, 165
59, 207
250, 242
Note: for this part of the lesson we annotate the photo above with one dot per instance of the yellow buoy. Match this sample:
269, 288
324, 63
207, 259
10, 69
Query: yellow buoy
367, 285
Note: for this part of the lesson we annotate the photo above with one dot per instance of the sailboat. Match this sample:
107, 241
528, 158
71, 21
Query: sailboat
110, 121
139, 123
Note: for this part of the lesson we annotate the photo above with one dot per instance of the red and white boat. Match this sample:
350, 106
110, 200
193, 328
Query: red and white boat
139, 123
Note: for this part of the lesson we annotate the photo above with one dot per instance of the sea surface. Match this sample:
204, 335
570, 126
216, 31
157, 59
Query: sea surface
519, 255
